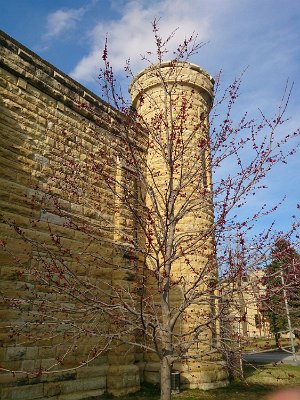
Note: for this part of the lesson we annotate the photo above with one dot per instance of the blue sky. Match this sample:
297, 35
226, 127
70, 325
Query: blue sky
263, 35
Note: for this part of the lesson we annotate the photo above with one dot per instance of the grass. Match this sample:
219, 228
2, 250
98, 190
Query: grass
258, 383
264, 344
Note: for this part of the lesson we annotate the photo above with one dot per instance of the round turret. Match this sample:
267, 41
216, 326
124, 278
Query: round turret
173, 101
184, 74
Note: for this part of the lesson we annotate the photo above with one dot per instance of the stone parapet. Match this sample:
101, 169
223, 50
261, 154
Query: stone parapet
185, 74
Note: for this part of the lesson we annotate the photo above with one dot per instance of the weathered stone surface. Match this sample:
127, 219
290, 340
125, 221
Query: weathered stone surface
49, 185
122, 379
29, 392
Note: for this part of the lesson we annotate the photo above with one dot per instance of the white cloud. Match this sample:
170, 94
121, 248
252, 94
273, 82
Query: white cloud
131, 36
61, 21
263, 35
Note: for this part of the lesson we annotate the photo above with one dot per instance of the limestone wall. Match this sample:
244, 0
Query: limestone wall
57, 141
249, 290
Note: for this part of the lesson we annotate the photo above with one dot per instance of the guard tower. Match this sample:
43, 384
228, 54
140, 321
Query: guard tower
173, 100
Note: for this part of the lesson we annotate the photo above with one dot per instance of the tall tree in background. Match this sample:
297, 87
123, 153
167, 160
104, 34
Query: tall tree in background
283, 288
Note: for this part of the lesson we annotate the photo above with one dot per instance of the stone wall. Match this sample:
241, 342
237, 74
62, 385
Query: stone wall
57, 142
247, 293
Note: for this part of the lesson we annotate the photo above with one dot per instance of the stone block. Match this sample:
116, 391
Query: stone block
18, 209
52, 389
4, 196
2, 353
6, 379
46, 351
99, 370
8, 174
152, 377
6, 339
60, 106
100, 361
203, 376
82, 395
98, 382
22, 83
8, 76
15, 353
53, 218
152, 358
10, 272
123, 379
19, 220
117, 359
47, 363
81, 385
3, 82
28, 392
100, 273
28, 365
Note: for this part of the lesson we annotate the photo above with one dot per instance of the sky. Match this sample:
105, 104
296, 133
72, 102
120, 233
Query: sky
262, 36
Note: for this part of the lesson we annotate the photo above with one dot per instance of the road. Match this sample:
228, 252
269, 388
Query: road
272, 357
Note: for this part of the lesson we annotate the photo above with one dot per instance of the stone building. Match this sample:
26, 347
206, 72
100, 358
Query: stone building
254, 322
57, 212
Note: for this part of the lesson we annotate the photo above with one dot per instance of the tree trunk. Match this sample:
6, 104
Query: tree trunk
165, 379
242, 307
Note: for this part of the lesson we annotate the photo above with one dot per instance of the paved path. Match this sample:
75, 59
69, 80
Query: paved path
272, 357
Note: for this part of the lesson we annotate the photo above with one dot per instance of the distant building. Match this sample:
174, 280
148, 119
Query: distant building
247, 308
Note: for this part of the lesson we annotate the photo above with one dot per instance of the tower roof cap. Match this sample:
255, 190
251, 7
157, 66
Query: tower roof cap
181, 72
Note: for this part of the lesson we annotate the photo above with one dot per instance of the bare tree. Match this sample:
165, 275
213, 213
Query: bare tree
165, 293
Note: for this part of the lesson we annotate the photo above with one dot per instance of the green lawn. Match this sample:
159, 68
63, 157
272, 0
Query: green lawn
265, 344
257, 384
